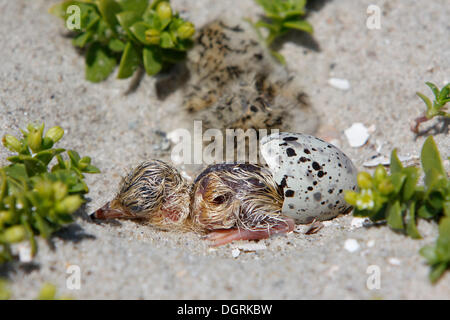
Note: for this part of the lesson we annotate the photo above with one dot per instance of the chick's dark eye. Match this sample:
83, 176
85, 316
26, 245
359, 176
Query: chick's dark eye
220, 199
135, 208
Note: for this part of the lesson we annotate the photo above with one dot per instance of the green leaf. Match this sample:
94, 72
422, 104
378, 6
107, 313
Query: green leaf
109, 9
155, 3
397, 180
164, 23
425, 99
129, 62
102, 32
446, 207
14, 159
437, 271
47, 143
433, 88
428, 252
157, 23
34, 166
83, 39
30, 234
443, 242
16, 171
268, 6
152, 60
91, 169
266, 25
99, 63
138, 6
127, 19
116, 45
294, 14
412, 177
90, 20
166, 40
138, 29
175, 24
426, 212
431, 161
80, 187
396, 164
44, 228
301, 25
394, 216
2, 184
411, 226
444, 94
436, 200
47, 155
74, 157
61, 164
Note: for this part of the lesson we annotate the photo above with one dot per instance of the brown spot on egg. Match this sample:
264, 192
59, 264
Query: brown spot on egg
316, 166
317, 196
290, 152
289, 193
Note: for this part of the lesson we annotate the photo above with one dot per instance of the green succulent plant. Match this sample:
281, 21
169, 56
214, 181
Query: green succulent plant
128, 33
47, 292
280, 17
435, 108
398, 199
438, 254
36, 196
5, 293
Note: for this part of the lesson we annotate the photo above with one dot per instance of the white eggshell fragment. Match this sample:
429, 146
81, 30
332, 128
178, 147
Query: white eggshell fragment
342, 84
312, 173
357, 135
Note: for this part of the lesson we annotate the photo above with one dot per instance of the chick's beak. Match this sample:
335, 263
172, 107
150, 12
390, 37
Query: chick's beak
107, 212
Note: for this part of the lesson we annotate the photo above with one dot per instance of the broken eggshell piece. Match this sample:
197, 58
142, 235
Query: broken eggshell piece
312, 173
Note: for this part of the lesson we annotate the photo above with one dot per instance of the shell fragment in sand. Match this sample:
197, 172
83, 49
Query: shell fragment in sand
25, 253
235, 252
357, 222
385, 160
342, 84
357, 135
251, 246
351, 245
394, 261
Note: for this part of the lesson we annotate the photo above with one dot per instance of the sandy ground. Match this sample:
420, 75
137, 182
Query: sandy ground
42, 79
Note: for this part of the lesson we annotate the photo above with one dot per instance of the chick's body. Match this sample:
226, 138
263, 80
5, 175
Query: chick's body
236, 84
238, 202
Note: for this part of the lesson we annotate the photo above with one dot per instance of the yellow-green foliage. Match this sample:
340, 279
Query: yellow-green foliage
398, 199
37, 197
129, 33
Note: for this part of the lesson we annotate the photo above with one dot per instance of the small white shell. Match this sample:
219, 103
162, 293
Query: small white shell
312, 173
357, 135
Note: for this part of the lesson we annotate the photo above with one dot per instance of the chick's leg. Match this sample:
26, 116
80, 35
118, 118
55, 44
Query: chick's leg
224, 236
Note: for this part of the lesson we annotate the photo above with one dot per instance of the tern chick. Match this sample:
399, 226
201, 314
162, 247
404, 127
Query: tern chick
227, 201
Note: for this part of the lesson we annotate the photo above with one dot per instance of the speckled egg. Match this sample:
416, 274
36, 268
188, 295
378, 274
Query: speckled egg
312, 173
